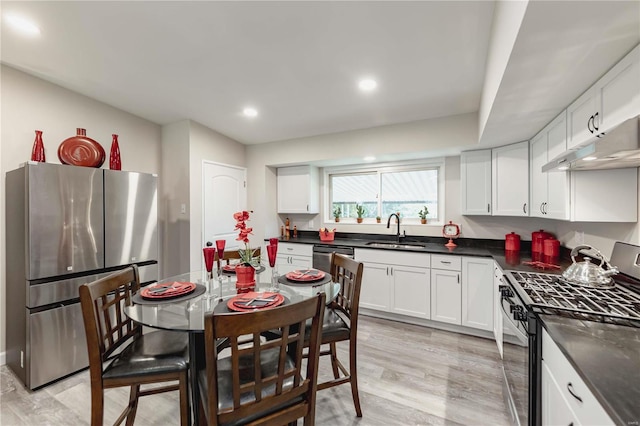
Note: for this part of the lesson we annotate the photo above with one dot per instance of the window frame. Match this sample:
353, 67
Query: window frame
378, 168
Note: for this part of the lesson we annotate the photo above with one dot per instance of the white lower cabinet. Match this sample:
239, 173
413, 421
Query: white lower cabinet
497, 306
477, 293
294, 256
446, 289
394, 281
566, 399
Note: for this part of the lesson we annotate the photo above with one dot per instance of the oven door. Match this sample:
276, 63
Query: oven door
515, 358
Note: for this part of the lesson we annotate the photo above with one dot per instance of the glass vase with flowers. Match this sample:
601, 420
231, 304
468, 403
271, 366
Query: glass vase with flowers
245, 270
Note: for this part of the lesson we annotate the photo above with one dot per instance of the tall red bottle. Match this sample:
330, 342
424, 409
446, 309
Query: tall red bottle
114, 156
37, 153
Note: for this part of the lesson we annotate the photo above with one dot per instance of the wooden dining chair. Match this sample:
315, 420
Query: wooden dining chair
262, 381
120, 355
341, 324
232, 255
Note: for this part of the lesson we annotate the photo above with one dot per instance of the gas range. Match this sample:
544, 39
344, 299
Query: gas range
549, 294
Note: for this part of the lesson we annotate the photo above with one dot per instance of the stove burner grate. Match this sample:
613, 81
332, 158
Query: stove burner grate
550, 294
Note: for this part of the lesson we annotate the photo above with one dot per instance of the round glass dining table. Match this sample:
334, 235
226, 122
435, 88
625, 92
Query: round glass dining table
187, 313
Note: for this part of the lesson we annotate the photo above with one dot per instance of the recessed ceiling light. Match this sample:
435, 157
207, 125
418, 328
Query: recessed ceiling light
24, 25
369, 158
590, 158
367, 84
250, 112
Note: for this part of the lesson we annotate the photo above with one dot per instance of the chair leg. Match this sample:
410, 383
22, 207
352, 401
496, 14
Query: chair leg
353, 372
134, 394
334, 360
97, 407
184, 401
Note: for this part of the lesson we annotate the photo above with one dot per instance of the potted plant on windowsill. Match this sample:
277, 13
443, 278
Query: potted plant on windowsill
423, 215
360, 212
378, 219
337, 211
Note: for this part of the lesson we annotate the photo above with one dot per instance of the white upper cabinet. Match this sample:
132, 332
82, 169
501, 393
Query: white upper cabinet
475, 182
549, 192
611, 100
604, 195
510, 180
298, 190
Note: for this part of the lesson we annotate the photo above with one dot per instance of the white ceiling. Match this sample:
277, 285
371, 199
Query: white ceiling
298, 63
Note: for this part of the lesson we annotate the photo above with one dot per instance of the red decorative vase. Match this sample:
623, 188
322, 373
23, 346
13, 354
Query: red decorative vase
114, 156
245, 278
37, 153
81, 150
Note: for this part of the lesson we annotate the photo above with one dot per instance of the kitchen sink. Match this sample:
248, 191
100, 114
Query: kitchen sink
395, 245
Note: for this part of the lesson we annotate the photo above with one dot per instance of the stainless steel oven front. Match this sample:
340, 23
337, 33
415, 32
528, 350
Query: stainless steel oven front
520, 358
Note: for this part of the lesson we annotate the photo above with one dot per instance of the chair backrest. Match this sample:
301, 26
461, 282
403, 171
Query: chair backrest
106, 326
348, 273
254, 388
233, 254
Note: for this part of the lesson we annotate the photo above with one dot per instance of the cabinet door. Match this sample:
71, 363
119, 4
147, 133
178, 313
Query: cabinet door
298, 189
594, 192
287, 263
497, 306
538, 179
475, 182
510, 180
446, 293
477, 293
376, 289
618, 92
411, 291
555, 409
578, 115
558, 184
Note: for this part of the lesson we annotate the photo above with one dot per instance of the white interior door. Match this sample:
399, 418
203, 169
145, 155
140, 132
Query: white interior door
224, 193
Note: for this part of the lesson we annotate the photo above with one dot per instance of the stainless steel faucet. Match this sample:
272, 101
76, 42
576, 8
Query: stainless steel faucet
398, 222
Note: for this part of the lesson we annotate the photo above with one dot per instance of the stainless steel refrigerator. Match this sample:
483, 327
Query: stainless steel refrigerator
67, 226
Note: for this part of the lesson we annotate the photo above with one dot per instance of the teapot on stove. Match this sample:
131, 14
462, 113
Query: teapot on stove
589, 274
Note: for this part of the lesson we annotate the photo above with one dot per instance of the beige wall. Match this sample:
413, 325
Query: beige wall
29, 103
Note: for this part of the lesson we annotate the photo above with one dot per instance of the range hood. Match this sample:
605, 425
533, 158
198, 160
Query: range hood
618, 148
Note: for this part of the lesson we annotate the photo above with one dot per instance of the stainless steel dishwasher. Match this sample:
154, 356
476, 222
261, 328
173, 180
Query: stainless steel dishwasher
322, 255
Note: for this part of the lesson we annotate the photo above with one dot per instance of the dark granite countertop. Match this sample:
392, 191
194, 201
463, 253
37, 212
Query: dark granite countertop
607, 358
436, 245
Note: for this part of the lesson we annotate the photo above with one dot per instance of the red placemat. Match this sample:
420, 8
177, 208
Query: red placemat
305, 275
252, 301
167, 290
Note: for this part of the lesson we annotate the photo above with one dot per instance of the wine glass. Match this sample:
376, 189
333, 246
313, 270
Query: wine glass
220, 244
209, 254
272, 251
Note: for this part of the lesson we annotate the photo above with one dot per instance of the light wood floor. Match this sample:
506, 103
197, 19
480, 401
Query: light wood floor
408, 375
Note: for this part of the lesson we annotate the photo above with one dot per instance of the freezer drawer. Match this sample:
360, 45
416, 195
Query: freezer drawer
56, 345
131, 216
58, 291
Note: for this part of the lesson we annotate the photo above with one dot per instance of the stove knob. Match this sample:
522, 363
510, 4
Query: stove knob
505, 291
520, 315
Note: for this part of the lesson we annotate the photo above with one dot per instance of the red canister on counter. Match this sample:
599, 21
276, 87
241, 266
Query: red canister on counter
537, 239
551, 250
512, 242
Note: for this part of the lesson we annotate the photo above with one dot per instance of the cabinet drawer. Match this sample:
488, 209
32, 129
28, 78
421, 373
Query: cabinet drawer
589, 411
295, 249
394, 257
443, 261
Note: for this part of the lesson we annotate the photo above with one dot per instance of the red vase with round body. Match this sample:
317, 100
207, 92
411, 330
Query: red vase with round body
37, 153
114, 155
81, 150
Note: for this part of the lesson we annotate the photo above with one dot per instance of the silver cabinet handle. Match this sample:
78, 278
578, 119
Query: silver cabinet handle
488, 208
542, 208
524, 208
571, 391
458, 278
447, 262
392, 270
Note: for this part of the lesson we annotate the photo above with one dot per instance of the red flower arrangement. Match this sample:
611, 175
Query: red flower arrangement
246, 254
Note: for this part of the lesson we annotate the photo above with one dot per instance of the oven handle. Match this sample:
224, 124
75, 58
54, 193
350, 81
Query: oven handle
522, 336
